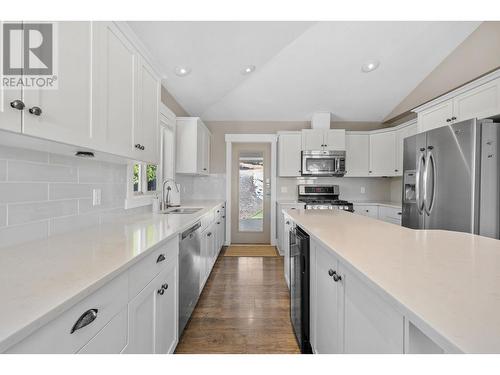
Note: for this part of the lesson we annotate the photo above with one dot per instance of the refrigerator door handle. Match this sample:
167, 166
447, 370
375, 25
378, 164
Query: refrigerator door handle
420, 202
429, 201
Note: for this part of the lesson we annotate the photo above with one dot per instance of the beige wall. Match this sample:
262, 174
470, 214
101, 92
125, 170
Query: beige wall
170, 102
474, 57
220, 128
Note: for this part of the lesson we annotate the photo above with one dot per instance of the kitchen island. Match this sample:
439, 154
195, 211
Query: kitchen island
398, 290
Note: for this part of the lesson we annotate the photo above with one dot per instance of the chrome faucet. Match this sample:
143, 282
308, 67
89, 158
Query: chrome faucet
165, 198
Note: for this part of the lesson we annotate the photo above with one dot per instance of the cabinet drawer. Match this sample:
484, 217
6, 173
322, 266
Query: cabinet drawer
366, 210
111, 339
207, 219
145, 271
57, 336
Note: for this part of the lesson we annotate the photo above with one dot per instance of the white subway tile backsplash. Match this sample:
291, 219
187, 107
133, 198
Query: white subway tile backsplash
70, 191
27, 171
26, 212
70, 223
43, 194
3, 216
14, 153
12, 235
3, 170
11, 192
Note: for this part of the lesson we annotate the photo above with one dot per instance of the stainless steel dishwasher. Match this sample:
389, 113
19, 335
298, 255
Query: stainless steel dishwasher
189, 273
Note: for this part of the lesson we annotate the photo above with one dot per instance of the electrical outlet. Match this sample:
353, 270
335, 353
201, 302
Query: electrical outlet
363, 190
96, 197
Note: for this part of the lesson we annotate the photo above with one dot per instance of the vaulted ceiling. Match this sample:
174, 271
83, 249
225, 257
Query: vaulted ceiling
301, 67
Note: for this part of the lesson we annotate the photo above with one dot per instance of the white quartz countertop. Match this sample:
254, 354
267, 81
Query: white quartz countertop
448, 280
41, 279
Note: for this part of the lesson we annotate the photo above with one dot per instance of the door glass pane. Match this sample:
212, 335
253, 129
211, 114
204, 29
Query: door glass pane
251, 192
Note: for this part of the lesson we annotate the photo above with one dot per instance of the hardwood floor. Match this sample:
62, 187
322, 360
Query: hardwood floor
251, 251
244, 308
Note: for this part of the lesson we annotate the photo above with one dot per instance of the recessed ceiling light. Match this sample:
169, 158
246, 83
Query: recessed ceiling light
248, 69
182, 71
370, 66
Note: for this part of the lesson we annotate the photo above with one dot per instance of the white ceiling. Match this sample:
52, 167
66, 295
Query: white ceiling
302, 67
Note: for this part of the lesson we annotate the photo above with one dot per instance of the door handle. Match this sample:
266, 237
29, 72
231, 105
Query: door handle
429, 202
420, 203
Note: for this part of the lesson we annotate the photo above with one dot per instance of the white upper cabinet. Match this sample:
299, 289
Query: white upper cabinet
334, 139
319, 139
401, 134
114, 99
146, 133
478, 99
382, 154
10, 117
436, 116
193, 146
64, 113
289, 154
357, 148
480, 102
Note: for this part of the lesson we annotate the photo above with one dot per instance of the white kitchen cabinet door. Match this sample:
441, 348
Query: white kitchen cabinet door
334, 139
10, 118
193, 140
150, 320
66, 111
328, 303
206, 141
146, 133
382, 154
357, 155
287, 226
435, 116
370, 324
289, 154
166, 315
114, 89
220, 224
401, 134
312, 139
480, 102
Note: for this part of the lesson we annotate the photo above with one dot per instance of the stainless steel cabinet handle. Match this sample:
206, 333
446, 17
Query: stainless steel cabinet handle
160, 258
160, 291
17, 104
331, 272
209, 234
37, 111
84, 320
164, 286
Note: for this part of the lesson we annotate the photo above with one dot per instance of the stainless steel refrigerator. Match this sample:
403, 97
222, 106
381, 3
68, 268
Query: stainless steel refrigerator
451, 178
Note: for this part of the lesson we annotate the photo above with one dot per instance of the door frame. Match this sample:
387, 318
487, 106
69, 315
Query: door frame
250, 138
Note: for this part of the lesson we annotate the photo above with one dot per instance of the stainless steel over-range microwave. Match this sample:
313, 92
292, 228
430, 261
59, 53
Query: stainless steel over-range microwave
323, 163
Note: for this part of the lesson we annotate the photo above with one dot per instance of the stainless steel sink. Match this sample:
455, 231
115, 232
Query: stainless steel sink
182, 210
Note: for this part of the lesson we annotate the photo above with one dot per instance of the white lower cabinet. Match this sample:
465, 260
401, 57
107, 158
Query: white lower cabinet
370, 324
111, 339
348, 315
366, 210
152, 314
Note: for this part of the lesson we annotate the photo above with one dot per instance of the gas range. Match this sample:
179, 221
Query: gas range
323, 197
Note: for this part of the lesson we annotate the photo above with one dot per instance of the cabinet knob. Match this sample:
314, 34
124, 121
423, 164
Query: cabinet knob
204, 169
448, 120
138, 146
37, 111
17, 104
287, 223
218, 222
336, 277
209, 234
164, 286
160, 258
453, 118
161, 291
331, 272
399, 213
369, 171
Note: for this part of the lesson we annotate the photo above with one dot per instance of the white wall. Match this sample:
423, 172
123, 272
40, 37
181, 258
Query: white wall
396, 189
43, 194
208, 187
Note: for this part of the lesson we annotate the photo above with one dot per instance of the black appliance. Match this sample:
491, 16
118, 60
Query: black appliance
299, 288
